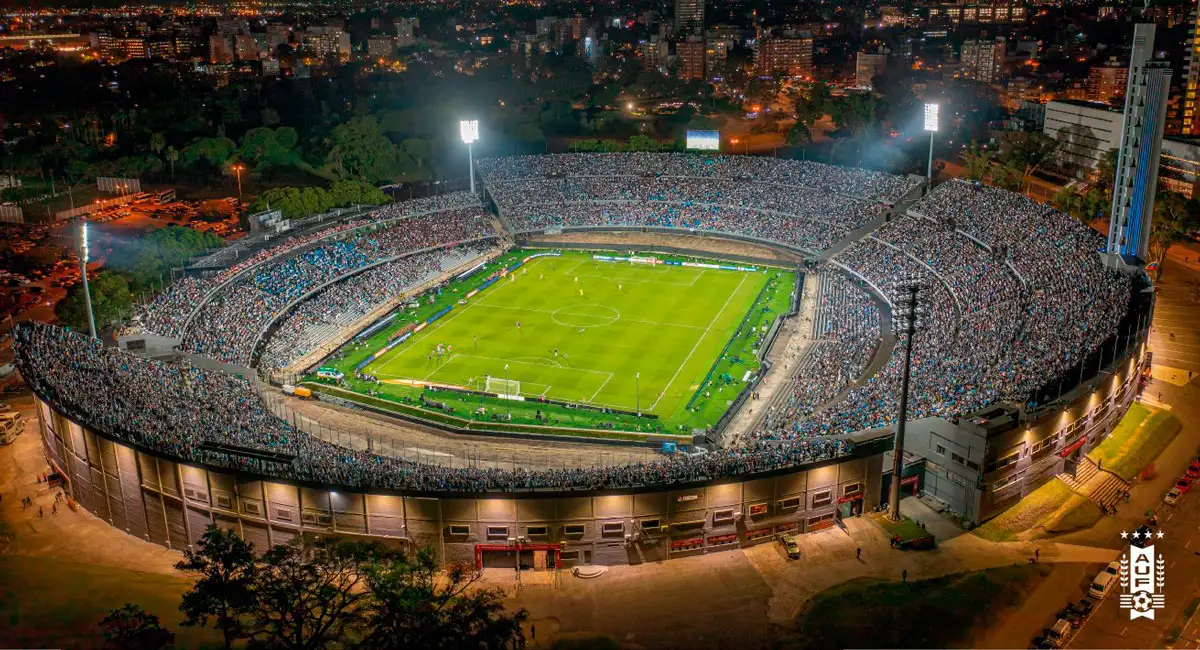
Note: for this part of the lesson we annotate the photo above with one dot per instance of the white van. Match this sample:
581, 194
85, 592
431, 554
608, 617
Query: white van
9, 431
1102, 585
12, 416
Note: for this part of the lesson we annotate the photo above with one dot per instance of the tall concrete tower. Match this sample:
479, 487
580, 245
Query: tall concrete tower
1140, 148
689, 16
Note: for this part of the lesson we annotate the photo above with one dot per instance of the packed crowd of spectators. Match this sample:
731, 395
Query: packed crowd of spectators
1015, 294
182, 412
803, 205
316, 318
753, 170
846, 334
227, 327
168, 313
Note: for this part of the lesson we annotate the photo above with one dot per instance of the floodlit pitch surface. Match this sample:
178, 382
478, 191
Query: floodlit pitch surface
607, 322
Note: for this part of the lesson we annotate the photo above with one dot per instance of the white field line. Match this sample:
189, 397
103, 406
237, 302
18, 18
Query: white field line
619, 318
698, 342
593, 398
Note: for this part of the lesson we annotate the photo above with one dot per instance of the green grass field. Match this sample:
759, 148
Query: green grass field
588, 329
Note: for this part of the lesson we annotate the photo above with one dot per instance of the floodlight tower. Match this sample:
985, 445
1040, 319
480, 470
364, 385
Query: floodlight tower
907, 317
87, 294
931, 125
469, 129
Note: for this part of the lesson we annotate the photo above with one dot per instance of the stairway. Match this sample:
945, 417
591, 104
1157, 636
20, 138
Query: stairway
1101, 487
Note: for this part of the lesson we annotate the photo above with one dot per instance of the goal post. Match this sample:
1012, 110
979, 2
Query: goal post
503, 387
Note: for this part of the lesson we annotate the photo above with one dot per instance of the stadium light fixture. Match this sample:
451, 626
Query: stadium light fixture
469, 129
87, 293
907, 318
931, 125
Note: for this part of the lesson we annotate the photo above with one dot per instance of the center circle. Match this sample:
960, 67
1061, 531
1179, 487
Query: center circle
585, 316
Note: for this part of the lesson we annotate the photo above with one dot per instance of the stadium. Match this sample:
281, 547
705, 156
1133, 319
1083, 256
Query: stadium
709, 350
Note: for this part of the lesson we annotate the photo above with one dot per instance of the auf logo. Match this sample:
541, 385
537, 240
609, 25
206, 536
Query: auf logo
1143, 575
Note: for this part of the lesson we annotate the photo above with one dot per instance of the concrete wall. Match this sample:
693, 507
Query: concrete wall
171, 504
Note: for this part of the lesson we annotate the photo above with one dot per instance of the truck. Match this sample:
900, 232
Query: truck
303, 392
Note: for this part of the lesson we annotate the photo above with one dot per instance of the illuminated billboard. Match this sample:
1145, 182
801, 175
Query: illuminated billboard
704, 140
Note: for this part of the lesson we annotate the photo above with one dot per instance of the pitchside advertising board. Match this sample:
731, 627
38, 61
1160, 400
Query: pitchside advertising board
704, 140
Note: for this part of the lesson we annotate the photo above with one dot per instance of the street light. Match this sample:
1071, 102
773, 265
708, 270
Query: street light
907, 317
469, 129
237, 170
931, 125
87, 294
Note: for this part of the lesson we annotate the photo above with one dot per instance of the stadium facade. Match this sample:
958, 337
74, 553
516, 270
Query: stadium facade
170, 503
977, 443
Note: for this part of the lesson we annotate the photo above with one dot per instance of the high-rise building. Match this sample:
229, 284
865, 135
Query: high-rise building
692, 59
654, 53
792, 55
406, 32
867, 67
1106, 83
1138, 155
379, 47
1191, 89
220, 49
689, 15
246, 48
982, 60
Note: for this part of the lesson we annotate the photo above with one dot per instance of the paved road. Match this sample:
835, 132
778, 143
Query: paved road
1177, 312
1110, 627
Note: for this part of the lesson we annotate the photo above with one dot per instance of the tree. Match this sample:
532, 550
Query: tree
213, 152
799, 135
111, 302
857, 112
412, 606
1025, 153
977, 160
132, 628
223, 565
1106, 171
1172, 223
359, 149
158, 141
1067, 201
309, 593
172, 155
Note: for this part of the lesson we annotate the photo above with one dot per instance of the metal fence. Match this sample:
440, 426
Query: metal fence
412, 442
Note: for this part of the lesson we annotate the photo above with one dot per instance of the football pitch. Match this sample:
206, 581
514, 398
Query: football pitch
625, 336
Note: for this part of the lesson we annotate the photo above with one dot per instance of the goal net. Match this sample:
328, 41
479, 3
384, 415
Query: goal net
503, 387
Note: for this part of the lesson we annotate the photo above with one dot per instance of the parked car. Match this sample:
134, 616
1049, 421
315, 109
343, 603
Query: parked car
1102, 585
1042, 641
1183, 484
1173, 497
1069, 613
1192, 472
1083, 608
789, 546
1113, 567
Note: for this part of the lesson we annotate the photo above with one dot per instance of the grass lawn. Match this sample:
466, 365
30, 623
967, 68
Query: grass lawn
52, 603
1027, 513
588, 329
935, 613
1078, 512
1138, 439
906, 529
